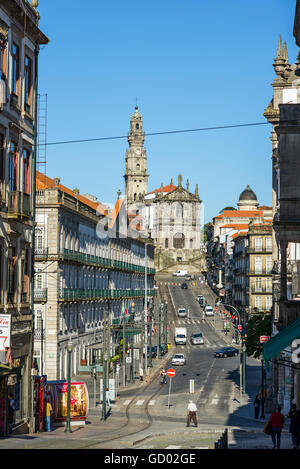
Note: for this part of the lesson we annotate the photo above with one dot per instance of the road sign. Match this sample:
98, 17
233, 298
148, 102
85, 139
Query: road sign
264, 338
171, 372
5, 324
239, 327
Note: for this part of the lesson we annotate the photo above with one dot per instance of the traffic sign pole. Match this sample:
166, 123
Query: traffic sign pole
171, 374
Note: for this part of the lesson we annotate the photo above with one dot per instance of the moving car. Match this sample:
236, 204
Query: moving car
208, 310
226, 352
181, 313
178, 359
197, 338
184, 285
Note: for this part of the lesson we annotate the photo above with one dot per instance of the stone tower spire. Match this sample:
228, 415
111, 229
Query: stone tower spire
281, 60
136, 175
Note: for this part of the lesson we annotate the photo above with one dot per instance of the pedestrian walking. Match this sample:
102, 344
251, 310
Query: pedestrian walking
256, 406
294, 429
277, 421
141, 374
191, 414
163, 376
47, 415
11, 412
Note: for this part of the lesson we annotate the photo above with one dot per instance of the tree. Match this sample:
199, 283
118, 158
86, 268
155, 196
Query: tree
259, 324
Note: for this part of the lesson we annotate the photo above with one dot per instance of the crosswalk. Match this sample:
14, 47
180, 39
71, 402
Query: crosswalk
211, 401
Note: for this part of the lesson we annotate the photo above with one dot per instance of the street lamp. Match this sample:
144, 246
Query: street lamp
68, 421
105, 358
131, 343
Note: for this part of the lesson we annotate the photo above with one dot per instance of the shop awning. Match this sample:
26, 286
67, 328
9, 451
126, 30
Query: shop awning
281, 340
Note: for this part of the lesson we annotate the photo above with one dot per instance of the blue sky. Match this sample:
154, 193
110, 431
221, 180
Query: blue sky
190, 64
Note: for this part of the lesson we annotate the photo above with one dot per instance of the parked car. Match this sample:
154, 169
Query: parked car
178, 359
184, 285
154, 352
226, 352
181, 312
197, 338
208, 310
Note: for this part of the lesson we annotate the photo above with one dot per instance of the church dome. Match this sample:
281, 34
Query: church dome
248, 194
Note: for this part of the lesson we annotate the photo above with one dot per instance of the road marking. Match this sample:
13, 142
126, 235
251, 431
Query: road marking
202, 401
140, 402
215, 401
127, 402
152, 402
173, 447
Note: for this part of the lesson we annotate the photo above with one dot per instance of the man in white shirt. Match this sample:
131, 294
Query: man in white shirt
191, 414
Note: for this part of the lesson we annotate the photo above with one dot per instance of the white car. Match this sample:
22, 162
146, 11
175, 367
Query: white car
178, 359
197, 338
208, 310
181, 312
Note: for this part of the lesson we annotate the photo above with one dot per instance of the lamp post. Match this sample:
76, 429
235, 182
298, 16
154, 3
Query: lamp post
150, 336
165, 323
262, 390
105, 358
68, 421
159, 331
131, 344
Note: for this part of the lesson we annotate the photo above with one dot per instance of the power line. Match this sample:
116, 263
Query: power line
167, 132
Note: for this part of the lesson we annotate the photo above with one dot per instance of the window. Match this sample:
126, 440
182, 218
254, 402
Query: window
268, 284
2, 159
258, 284
28, 82
258, 302
268, 302
269, 263
178, 241
258, 244
269, 243
166, 243
15, 69
258, 265
13, 167
26, 171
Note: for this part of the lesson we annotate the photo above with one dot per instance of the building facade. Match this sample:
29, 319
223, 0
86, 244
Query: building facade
87, 273
20, 41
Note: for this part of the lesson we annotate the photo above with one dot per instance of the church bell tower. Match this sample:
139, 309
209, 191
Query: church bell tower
136, 175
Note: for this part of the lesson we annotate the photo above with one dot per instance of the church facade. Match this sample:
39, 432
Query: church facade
171, 215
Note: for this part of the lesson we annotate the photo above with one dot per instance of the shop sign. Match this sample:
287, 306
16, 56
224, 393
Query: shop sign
5, 322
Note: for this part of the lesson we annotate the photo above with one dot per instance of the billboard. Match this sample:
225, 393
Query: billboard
57, 394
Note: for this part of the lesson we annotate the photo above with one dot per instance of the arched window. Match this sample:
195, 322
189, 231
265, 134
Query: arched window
178, 241
191, 244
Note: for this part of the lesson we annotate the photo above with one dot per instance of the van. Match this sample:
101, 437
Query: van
180, 273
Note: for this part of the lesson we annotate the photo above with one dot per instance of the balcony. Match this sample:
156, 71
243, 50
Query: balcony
81, 294
91, 259
18, 204
40, 253
258, 250
261, 291
40, 295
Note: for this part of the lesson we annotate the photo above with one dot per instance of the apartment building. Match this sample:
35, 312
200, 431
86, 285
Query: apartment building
252, 268
84, 276
20, 41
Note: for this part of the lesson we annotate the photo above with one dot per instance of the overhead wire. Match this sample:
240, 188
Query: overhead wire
166, 132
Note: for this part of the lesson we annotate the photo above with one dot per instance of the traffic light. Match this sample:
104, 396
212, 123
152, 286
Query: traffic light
94, 372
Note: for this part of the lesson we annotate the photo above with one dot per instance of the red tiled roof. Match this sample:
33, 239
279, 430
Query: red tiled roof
242, 213
167, 188
44, 182
264, 207
240, 233
236, 226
